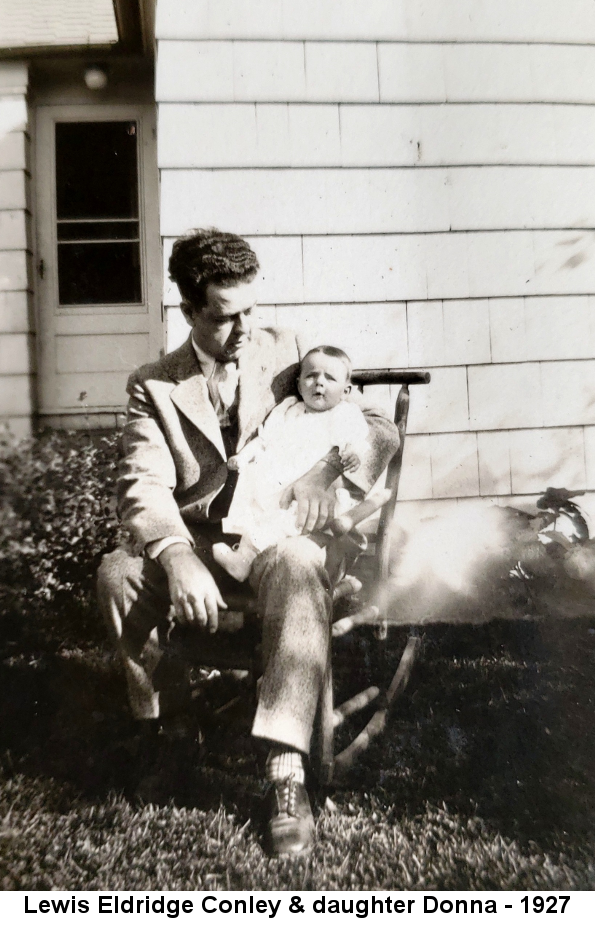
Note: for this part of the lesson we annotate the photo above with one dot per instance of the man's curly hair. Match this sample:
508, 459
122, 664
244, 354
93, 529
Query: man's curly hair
207, 255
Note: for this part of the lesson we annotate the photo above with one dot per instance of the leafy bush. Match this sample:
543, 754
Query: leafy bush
57, 518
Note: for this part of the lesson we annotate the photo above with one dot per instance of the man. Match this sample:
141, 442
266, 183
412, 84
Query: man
188, 413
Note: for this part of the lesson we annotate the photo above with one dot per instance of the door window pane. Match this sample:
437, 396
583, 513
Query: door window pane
97, 213
105, 274
96, 173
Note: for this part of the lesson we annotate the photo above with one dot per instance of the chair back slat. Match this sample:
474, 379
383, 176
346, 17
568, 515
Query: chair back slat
404, 378
363, 377
393, 477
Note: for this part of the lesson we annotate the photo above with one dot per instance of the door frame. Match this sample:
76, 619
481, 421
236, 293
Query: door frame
52, 319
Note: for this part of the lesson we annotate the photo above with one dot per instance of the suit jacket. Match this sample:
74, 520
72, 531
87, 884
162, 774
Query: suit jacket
174, 461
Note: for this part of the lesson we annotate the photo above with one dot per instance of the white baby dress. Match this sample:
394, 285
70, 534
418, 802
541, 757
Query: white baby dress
292, 440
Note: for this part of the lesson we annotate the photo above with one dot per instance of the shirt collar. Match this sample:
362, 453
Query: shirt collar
207, 363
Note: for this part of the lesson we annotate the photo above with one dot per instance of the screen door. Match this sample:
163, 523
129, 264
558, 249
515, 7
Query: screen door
98, 276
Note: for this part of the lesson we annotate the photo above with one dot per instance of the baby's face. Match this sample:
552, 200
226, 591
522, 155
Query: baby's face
322, 382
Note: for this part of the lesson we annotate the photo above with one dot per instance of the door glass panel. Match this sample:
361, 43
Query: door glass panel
102, 230
97, 213
106, 273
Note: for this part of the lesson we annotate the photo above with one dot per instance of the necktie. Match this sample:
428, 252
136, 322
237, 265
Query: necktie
226, 377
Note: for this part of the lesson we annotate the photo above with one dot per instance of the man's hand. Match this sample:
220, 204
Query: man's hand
315, 498
195, 597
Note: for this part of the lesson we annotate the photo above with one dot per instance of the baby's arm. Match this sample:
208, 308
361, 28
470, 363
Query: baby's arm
266, 433
354, 445
248, 454
350, 459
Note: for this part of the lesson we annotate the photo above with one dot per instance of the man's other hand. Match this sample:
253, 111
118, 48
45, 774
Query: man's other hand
315, 498
195, 597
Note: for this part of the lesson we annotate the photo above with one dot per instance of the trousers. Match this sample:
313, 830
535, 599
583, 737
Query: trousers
294, 604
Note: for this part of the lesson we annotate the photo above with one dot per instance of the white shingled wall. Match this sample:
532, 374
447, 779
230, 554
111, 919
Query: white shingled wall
16, 324
418, 179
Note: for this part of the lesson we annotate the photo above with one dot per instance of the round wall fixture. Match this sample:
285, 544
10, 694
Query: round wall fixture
95, 77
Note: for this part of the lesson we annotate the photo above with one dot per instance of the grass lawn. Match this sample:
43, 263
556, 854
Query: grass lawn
485, 779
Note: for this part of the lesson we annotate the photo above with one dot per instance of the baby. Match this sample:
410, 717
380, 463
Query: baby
295, 436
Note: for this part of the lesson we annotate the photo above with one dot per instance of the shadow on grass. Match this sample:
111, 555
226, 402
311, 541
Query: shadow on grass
65, 718
496, 726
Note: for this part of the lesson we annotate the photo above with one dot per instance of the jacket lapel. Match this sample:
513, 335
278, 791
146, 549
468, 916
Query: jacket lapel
191, 394
256, 399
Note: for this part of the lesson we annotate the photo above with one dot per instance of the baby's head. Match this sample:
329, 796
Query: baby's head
325, 378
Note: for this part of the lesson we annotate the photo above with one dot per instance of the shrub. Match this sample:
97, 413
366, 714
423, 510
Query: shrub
57, 518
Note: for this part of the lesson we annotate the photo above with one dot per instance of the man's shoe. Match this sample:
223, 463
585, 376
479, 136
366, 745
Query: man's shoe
288, 819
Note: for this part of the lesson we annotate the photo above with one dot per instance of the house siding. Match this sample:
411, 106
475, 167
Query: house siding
17, 331
58, 23
417, 179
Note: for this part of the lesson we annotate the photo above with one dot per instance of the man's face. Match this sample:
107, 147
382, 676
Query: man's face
323, 381
223, 326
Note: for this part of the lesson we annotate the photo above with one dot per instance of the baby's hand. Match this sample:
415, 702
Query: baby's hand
234, 463
349, 458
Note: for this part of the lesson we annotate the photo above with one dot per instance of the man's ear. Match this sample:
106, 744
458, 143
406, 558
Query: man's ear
189, 311
347, 389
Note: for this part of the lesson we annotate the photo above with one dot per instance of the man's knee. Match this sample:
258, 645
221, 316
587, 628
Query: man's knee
295, 565
116, 567
299, 553
120, 580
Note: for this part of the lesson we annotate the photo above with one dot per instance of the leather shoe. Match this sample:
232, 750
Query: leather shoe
288, 819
